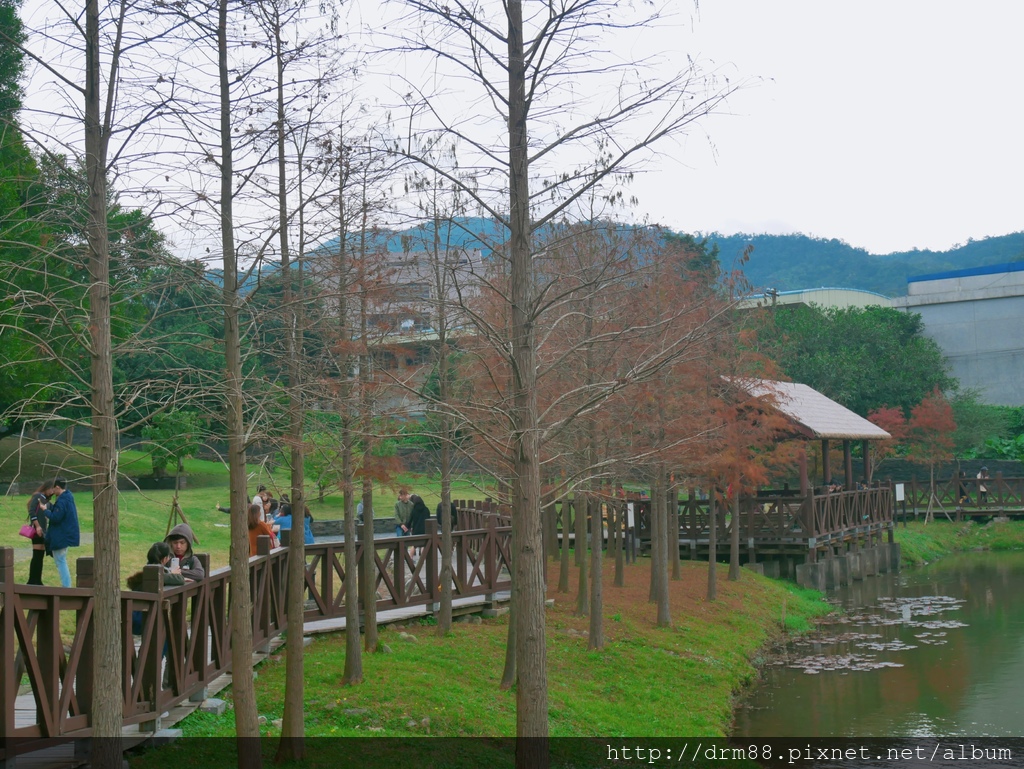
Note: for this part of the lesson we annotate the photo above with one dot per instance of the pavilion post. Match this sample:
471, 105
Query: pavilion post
848, 464
826, 463
866, 451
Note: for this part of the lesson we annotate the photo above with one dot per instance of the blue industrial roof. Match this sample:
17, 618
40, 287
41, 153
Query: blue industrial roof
991, 269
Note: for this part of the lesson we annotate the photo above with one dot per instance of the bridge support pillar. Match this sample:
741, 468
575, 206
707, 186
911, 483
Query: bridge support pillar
789, 566
844, 569
869, 562
882, 554
200, 695
894, 556
812, 575
856, 562
832, 573
490, 606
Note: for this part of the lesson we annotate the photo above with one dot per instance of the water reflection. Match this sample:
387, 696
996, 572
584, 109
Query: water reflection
932, 651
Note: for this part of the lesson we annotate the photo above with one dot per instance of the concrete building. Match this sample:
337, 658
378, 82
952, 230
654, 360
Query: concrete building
822, 297
976, 316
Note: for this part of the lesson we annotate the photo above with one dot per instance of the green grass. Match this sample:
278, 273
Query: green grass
920, 543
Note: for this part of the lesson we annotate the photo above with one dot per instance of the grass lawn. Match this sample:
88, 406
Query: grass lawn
144, 514
647, 682
920, 543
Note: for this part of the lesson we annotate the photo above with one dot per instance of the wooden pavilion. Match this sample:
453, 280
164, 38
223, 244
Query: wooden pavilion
786, 529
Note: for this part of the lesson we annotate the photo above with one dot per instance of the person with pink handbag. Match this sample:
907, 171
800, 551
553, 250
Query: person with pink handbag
35, 529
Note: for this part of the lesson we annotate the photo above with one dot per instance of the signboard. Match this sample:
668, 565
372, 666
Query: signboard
630, 523
899, 492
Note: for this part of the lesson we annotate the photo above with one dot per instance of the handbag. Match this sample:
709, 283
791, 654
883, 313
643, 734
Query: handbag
28, 531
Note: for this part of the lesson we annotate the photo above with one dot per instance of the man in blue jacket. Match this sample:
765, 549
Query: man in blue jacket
62, 529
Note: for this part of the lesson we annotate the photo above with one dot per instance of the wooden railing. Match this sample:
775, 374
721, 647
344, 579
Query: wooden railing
781, 518
1001, 495
192, 622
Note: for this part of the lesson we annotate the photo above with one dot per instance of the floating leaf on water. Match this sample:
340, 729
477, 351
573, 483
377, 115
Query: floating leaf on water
937, 624
920, 606
888, 646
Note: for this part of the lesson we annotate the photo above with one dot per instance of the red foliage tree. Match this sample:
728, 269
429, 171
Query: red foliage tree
930, 438
891, 420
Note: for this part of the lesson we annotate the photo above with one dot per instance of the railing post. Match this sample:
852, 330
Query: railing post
8, 650
433, 547
85, 576
200, 629
490, 561
263, 549
153, 582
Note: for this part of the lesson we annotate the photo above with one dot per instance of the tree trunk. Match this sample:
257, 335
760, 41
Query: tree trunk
353, 573
654, 518
620, 544
528, 561
369, 581
664, 614
673, 527
292, 746
734, 534
582, 504
712, 543
596, 638
444, 619
563, 555
508, 673
107, 708
247, 728
579, 549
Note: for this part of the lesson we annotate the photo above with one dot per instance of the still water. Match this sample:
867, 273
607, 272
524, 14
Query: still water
937, 650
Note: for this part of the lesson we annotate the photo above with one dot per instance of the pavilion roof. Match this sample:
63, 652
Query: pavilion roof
818, 415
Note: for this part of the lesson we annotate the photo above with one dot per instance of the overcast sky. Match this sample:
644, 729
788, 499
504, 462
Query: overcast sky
889, 124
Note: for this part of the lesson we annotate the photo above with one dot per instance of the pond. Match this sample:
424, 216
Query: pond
935, 650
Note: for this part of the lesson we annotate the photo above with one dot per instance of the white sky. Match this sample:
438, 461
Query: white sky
890, 124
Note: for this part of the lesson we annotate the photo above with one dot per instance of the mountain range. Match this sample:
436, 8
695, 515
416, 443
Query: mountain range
782, 262
791, 262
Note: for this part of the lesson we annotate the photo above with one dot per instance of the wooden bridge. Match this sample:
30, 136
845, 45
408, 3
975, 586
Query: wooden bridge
1003, 497
782, 523
194, 623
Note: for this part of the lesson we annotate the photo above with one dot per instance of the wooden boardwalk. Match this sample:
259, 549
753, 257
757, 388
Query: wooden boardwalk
50, 629
63, 755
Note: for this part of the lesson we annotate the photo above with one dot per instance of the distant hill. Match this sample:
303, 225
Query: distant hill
783, 262
790, 262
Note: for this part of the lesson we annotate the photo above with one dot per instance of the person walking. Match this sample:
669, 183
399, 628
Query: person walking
62, 529
403, 513
418, 517
418, 520
454, 516
38, 504
982, 488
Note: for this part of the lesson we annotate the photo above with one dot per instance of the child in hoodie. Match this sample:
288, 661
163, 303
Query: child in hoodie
181, 540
